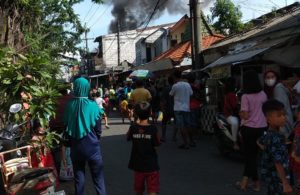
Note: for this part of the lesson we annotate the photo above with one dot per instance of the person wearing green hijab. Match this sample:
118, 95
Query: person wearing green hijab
82, 118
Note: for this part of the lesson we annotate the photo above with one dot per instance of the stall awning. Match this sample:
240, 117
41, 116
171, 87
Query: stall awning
98, 75
154, 66
236, 58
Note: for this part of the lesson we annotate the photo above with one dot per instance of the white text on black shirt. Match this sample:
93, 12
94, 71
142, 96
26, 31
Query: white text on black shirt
141, 136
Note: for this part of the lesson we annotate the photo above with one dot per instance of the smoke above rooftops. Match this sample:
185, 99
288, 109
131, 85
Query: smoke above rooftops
132, 14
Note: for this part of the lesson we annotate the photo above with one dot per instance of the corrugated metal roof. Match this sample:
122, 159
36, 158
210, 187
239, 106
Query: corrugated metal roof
246, 55
279, 23
236, 58
154, 36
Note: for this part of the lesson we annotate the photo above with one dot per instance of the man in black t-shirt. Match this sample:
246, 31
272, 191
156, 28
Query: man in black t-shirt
143, 159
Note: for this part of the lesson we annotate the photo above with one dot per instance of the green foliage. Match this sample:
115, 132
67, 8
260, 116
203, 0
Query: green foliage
48, 25
248, 26
228, 17
31, 75
35, 77
37, 33
42, 143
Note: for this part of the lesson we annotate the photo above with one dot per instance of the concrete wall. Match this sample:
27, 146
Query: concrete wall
140, 52
178, 33
161, 45
129, 43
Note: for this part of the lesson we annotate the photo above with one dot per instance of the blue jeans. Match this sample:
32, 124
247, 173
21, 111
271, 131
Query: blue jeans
96, 168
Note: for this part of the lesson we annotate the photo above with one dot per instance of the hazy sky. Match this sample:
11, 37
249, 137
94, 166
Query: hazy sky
98, 17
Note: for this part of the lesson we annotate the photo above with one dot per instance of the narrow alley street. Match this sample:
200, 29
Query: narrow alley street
197, 171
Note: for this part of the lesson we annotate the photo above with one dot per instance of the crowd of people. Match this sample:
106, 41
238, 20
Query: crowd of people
265, 119
261, 114
85, 108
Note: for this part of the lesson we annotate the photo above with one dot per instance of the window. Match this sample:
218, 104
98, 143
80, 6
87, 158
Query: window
173, 42
148, 54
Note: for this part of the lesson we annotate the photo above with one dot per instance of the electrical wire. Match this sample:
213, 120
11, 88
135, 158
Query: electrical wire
276, 5
147, 19
88, 12
110, 45
256, 5
253, 9
150, 18
101, 15
90, 18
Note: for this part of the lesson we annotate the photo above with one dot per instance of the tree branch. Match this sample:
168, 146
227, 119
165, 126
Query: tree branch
44, 36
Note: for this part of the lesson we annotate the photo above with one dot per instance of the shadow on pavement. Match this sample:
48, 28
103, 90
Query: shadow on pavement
197, 171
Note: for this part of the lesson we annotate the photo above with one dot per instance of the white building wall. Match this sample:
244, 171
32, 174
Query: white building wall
165, 44
128, 40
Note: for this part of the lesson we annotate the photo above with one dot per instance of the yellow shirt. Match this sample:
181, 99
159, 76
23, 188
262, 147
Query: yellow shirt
124, 105
140, 95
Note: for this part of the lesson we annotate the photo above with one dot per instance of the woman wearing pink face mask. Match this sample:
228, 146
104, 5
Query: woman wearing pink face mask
276, 90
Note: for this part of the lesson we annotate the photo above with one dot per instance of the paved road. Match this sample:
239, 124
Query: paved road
198, 171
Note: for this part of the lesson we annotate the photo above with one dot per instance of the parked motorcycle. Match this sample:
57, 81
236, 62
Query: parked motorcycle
10, 135
223, 137
18, 176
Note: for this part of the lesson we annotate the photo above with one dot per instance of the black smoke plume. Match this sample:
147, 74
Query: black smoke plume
133, 14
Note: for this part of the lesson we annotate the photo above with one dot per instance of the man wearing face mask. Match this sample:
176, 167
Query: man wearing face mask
276, 90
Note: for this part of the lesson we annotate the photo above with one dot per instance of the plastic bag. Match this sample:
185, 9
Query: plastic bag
66, 172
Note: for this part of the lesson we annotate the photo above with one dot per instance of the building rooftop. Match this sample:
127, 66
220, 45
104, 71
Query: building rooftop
275, 21
168, 25
183, 21
179, 51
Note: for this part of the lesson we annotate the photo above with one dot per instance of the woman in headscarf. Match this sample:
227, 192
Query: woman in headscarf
83, 124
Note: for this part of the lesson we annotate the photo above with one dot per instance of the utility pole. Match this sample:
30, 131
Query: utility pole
86, 39
87, 57
197, 33
191, 4
86, 42
118, 40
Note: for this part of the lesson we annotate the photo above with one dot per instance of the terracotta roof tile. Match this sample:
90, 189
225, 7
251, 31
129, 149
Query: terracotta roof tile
179, 51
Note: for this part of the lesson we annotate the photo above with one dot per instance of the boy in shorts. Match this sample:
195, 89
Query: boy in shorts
143, 159
275, 163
